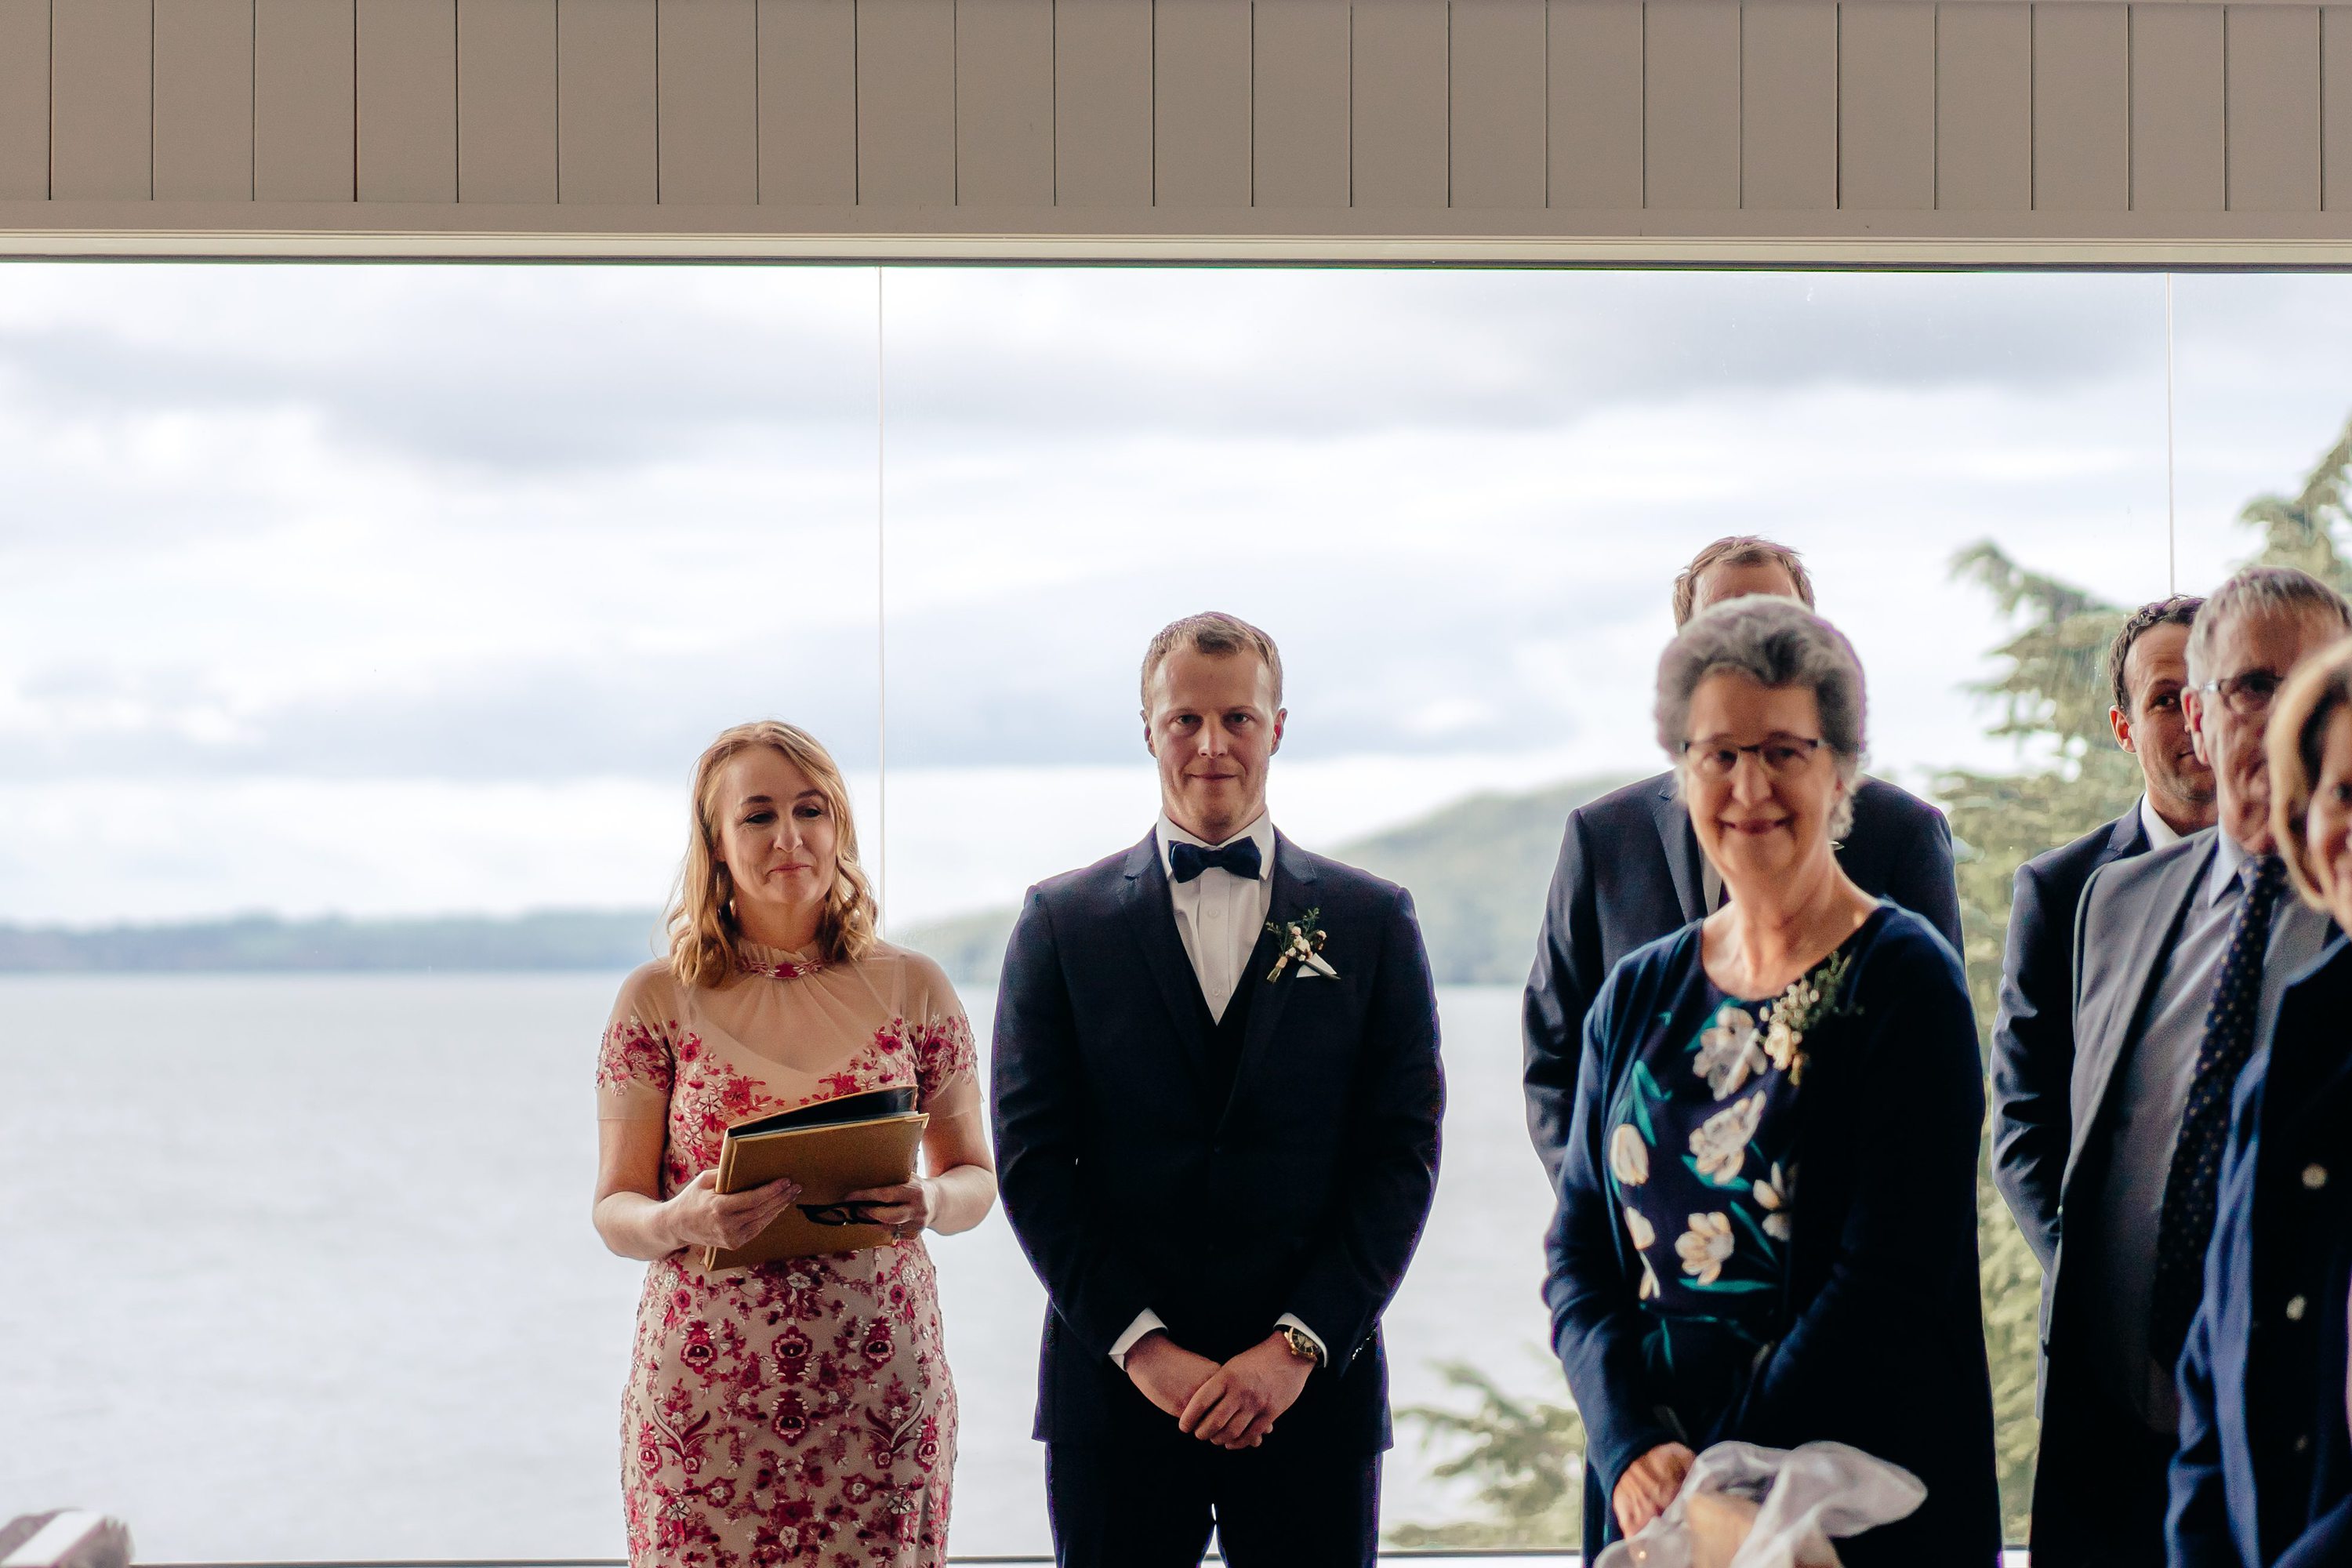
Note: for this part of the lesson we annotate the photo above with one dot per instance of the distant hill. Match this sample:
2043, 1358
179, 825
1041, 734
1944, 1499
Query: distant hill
574, 939
1478, 870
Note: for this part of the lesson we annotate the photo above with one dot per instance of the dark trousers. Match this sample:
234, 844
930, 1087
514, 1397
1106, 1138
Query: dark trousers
1150, 1503
2107, 1495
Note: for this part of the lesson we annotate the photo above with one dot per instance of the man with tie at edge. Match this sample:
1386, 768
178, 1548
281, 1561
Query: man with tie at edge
1217, 1095
2182, 956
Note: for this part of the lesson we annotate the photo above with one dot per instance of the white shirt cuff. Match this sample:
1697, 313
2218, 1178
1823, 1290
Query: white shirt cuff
1322, 1352
1145, 1322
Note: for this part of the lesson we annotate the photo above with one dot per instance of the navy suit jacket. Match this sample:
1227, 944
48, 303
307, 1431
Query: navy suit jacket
1629, 874
2033, 1032
1130, 1187
2263, 1475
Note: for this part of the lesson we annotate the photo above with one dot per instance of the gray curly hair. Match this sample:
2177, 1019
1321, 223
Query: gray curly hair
1776, 643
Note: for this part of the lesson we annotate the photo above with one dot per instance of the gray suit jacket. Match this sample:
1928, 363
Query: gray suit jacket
2130, 916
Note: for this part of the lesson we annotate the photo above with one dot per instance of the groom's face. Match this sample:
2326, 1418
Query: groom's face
1212, 726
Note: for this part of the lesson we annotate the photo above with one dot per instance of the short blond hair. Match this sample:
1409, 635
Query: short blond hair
1738, 550
2296, 739
705, 939
1215, 632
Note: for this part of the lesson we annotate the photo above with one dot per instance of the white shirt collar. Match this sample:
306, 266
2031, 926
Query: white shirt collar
2161, 835
1261, 831
2229, 854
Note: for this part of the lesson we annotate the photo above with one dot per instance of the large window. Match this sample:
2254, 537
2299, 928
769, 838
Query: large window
406, 597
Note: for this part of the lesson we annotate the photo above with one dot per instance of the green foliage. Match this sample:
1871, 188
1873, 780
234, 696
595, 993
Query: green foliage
2306, 529
1527, 1454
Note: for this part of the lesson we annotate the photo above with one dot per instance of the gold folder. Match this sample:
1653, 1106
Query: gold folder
830, 1161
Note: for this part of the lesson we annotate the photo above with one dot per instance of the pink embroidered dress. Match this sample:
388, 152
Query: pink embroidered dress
797, 1412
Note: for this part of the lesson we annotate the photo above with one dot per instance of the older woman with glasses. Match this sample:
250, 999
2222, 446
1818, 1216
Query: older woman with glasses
2262, 1478
1767, 1227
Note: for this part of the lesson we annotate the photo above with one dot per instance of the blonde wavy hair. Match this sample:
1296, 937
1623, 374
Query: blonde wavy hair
704, 938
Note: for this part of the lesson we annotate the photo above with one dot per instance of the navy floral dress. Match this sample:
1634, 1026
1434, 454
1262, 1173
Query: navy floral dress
1767, 1227
1703, 1161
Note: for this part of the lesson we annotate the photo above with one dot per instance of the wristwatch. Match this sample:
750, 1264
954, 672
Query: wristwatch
1301, 1342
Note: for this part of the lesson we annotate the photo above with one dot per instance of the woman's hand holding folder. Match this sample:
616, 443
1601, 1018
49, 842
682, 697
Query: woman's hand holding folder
702, 1215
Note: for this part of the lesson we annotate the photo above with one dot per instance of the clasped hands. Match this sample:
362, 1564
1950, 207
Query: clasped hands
1234, 1405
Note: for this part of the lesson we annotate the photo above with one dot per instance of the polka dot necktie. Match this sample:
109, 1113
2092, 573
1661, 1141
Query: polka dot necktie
2185, 1224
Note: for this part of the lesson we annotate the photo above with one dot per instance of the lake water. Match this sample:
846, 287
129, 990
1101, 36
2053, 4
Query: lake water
302, 1267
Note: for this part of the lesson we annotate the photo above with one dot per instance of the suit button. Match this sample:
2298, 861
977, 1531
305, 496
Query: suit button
2296, 1307
2314, 1176
2303, 1444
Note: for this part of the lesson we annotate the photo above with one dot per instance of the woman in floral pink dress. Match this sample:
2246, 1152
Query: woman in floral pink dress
797, 1412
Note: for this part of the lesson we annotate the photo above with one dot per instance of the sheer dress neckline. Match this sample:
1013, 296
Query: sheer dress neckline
777, 962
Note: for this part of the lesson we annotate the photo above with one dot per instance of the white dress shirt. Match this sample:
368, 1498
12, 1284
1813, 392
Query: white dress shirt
2161, 832
1219, 918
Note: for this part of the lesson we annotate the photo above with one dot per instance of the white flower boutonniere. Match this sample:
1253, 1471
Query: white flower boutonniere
1302, 943
1809, 1001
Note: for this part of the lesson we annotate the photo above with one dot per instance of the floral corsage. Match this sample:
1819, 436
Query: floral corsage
1302, 943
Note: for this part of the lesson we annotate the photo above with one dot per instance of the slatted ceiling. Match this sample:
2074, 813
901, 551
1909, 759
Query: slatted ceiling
2272, 101
1201, 103
204, 101
2081, 108
407, 52
302, 100
808, 103
906, 66
1102, 103
1299, 116
1691, 107
1004, 103
100, 75
2335, 107
1788, 107
1984, 106
607, 135
1498, 142
24, 100
708, 98
1402, 87
1886, 108
2177, 157
506, 101
1595, 112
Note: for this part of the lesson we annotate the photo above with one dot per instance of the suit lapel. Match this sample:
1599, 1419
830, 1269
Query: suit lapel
2110, 1034
1681, 846
1293, 895
1152, 917
2129, 837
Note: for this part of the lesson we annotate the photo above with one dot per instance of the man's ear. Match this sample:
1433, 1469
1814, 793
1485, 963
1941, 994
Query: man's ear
1151, 742
2120, 722
1281, 716
2192, 708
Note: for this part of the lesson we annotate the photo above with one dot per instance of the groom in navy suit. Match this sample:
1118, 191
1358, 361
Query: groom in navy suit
1216, 1100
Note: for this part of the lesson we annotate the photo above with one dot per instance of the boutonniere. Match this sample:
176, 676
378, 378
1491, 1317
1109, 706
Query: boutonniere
1808, 1000
1302, 943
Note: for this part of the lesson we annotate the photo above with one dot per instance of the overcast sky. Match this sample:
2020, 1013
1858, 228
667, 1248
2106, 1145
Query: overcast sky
384, 589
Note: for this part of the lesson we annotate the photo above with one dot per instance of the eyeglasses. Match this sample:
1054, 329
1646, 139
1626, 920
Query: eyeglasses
1779, 755
2247, 693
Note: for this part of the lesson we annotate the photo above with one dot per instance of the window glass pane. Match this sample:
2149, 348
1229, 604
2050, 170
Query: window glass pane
373, 591
1457, 501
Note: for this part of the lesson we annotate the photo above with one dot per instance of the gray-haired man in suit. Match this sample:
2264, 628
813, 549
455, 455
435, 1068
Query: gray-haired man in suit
2180, 958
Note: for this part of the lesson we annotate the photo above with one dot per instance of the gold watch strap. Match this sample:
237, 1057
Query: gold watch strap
1301, 1344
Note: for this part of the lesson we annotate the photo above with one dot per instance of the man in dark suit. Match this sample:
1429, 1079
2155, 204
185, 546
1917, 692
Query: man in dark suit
2180, 957
1629, 870
2033, 1033
1217, 1097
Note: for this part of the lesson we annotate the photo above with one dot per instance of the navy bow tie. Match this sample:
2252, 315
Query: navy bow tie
1186, 861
